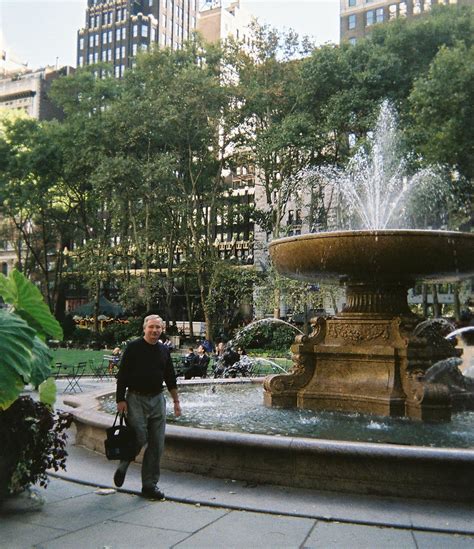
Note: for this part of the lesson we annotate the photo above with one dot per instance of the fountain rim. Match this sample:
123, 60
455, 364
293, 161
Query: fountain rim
351, 233
333, 465
86, 410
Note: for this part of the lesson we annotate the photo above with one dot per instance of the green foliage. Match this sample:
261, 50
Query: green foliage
230, 288
33, 441
442, 104
269, 336
115, 334
23, 328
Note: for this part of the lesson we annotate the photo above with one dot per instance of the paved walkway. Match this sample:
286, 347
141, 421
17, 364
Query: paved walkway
83, 510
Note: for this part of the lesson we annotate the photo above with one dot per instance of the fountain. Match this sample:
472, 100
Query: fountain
370, 358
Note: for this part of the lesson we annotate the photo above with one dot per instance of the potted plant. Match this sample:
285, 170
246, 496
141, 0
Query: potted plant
32, 435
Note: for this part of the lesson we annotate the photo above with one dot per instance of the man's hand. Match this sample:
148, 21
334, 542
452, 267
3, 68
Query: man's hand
122, 407
177, 408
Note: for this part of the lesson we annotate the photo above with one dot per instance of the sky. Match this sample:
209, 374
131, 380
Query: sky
43, 32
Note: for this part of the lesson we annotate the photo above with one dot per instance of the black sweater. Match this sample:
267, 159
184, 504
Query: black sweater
144, 367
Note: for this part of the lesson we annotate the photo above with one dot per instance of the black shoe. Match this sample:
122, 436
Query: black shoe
153, 493
119, 477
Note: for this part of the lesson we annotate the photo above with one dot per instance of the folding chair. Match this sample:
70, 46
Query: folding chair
57, 370
97, 370
73, 378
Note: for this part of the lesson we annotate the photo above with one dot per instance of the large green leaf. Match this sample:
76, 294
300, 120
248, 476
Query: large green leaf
47, 391
11, 385
29, 303
41, 363
7, 289
16, 343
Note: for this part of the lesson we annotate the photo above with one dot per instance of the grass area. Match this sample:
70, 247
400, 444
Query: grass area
73, 356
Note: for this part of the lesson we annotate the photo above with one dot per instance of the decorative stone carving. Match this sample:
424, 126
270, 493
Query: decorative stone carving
358, 332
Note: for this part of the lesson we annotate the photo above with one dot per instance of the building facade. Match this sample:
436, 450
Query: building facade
28, 92
357, 17
216, 22
116, 30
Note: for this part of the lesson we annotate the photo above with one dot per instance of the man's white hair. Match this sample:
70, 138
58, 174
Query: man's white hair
153, 317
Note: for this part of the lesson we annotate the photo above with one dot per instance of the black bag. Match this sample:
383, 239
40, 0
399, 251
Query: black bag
121, 442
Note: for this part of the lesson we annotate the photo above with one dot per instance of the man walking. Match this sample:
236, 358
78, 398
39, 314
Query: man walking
145, 365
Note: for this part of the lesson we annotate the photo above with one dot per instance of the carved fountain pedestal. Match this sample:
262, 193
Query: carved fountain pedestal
370, 358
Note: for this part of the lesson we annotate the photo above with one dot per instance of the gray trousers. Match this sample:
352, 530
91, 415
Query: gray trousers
147, 415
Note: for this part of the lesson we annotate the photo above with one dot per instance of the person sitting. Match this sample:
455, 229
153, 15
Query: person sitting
198, 367
202, 361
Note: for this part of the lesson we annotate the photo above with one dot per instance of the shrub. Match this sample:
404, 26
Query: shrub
36, 438
267, 336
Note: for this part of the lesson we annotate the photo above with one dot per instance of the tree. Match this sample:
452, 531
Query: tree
31, 195
85, 141
442, 103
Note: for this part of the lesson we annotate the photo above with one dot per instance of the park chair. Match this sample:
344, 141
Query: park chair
98, 371
73, 377
58, 370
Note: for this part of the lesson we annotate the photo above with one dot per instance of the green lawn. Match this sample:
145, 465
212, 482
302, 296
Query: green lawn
73, 356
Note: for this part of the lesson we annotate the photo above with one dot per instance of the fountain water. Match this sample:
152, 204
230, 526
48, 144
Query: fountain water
370, 358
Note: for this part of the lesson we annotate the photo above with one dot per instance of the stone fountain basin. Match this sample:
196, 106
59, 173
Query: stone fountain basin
354, 467
390, 256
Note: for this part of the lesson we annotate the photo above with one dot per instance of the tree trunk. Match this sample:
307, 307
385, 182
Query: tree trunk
424, 302
457, 302
436, 304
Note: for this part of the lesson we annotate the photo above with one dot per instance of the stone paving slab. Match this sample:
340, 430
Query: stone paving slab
79, 516
87, 466
333, 535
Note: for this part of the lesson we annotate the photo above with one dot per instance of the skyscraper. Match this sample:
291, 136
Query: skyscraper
115, 30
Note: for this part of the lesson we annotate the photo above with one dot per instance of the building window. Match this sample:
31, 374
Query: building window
96, 39
91, 59
134, 49
104, 55
135, 30
109, 54
104, 38
117, 34
379, 15
81, 43
124, 33
117, 71
416, 7
123, 52
392, 11
370, 18
427, 5
117, 53
352, 3
351, 22
96, 57
81, 61
110, 37
91, 41
352, 40
145, 30
402, 9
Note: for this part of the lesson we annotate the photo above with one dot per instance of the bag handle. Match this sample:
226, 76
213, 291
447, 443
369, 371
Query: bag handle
123, 418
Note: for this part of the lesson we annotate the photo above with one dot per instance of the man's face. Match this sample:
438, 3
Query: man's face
152, 331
